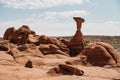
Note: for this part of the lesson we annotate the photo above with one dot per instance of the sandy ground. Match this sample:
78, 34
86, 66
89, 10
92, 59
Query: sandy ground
19, 72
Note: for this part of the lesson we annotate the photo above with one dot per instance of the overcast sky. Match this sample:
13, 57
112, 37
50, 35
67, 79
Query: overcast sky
55, 17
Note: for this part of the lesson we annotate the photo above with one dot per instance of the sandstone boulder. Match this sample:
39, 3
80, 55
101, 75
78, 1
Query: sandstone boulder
8, 33
70, 69
113, 52
29, 64
20, 36
98, 55
65, 70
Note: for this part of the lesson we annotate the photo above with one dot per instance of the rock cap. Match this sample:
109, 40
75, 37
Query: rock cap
79, 19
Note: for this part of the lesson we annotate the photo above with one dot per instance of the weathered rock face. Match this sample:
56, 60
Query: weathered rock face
77, 43
8, 33
72, 70
97, 54
49, 40
33, 39
51, 49
20, 36
24, 35
24, 45
65, 70
113, 52
23, 53
4, 45
6, 59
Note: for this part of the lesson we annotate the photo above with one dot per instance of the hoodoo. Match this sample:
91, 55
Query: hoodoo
77, 43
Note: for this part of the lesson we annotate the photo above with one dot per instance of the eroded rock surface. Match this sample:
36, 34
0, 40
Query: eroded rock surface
65, 70
77, 43
100, 54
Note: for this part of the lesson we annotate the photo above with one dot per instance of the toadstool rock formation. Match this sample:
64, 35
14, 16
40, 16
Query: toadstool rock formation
77, 43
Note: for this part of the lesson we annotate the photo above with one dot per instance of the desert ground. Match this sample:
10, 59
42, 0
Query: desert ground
39, 72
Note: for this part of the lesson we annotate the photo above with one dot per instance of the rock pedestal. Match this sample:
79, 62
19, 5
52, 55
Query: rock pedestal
77, 43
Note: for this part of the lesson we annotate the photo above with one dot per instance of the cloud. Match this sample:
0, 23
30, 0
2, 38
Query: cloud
112, 22
102, 28
38, 4
65, 15
59, 16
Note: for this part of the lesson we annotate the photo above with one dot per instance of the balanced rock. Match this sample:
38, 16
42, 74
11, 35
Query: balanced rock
77, 43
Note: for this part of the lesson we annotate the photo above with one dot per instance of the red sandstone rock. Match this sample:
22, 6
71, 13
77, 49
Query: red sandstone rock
113, 52
77, 43
33, 38
49, 40
4, 45
43, 39
8, 33
29, 64
64, 46
53, 40
6, 59
97, 55
20, 36
70, 69
65, 70
51, 49
23, 53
